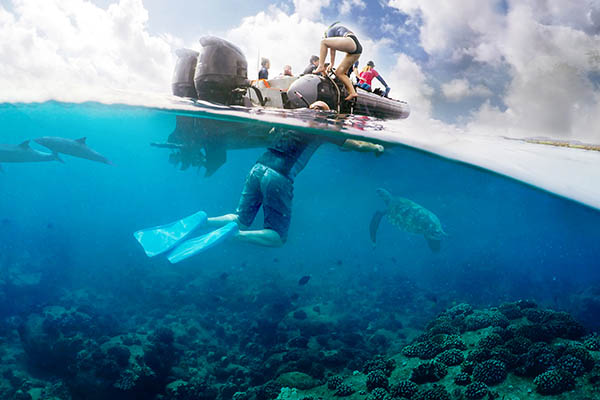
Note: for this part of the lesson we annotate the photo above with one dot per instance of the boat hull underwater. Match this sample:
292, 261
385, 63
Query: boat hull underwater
219, 74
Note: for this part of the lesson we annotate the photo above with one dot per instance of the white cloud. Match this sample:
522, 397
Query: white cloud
546, 48
310, 9
459, 89
550, 93
348, 5
409, 83
453, 29
73, 50
279, 36
289, 39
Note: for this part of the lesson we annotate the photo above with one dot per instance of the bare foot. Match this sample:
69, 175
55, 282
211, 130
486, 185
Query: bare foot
351, 96
320, 68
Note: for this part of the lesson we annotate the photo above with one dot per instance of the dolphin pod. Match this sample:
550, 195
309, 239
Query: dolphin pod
23, 153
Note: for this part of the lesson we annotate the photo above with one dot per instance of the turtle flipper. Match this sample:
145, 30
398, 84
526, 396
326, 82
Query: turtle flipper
434, 244
375, 220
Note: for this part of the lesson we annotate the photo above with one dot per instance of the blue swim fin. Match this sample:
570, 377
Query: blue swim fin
162, 238
201, 243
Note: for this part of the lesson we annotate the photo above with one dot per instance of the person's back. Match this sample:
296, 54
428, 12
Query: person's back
309, 69
368, 76
264, 71
312, 65
290, 152
338, 31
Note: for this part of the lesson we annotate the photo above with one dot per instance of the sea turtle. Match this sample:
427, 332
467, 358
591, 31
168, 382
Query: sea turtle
409, 216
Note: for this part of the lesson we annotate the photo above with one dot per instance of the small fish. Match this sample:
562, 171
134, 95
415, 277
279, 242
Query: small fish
294, 296
304, 280
49, 225
224, 276
339, 262
275, 260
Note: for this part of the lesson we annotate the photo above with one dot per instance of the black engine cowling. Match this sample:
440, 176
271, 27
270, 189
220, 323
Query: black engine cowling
182, 83
216, 74
221, 69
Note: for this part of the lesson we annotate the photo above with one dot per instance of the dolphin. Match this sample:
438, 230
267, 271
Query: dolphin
75, 148
23, 153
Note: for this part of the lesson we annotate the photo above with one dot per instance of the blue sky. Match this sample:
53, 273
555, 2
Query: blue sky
502, 67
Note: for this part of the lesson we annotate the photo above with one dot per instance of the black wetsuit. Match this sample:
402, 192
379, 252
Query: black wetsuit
263, 73
309, 69
270, 183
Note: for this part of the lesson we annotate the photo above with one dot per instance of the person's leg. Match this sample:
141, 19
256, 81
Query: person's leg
259, 186
261, 237
322, 55
340, 72
217, 222
228, 225
344, 44
250, 201
277, 192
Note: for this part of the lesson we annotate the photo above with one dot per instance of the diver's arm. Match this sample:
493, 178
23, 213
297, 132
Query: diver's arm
387, 88
363, 147
380, 78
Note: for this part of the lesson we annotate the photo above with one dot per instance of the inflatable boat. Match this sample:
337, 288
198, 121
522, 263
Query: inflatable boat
219, 74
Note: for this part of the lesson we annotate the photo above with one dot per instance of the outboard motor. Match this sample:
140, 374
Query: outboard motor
221, 74
183, 76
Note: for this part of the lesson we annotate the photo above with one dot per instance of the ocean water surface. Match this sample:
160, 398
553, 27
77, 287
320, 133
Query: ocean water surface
84, 314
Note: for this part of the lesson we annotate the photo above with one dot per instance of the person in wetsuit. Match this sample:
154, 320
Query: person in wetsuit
264, 71
312, 65
366, 78
340, 38
270, 183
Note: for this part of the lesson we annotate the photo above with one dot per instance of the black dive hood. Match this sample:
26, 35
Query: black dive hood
309, 88
214, 75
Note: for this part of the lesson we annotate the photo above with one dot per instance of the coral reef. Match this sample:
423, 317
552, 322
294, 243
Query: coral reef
344, 390
270, 348
476, 391
377, 379
436, 392
379, 394
490, 372
462, 379
404, 389
554, 382
431, 371
451, 357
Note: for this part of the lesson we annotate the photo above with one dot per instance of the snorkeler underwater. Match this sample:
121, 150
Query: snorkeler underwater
190, 211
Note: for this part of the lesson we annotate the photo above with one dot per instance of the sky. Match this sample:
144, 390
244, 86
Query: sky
519, 68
